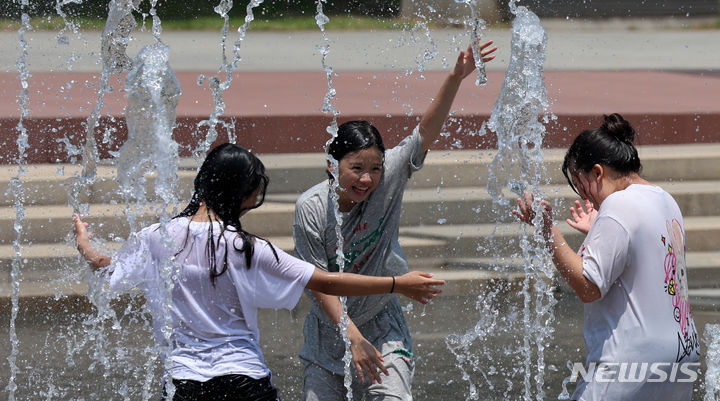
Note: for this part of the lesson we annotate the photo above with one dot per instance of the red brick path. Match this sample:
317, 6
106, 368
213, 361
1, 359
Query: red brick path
281, 112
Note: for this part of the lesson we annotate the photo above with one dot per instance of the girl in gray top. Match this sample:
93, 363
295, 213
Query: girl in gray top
372, 182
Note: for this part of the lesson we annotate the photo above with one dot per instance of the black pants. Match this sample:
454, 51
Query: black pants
226, 388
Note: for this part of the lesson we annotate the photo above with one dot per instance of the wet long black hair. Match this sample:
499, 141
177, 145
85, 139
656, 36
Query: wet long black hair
610, 145
354, 136
229, 175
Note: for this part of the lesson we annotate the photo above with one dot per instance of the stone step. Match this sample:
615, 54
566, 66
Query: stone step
47, 224
706, 299
702, 235
50, 268
456, 205
57, 269
44, 257
47, 184
703, 267
470, 167
457, 283
421, 206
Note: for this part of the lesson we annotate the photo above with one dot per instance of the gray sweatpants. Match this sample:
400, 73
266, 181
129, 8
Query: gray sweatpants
321, 384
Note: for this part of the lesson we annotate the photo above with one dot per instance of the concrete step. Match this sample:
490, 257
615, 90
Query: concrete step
57, 268
50, 223
47, 184
688, 172
421, 206
44, 257
704, 299
469, 168
703, 267
702, 234
457, 205
50, 184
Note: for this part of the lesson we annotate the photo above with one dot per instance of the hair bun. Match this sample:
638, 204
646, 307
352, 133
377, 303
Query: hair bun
619, 128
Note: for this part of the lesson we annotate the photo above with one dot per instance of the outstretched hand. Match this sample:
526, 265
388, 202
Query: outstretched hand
582, 219
419, 286
82, 235
82, 238
465, 63
526, 214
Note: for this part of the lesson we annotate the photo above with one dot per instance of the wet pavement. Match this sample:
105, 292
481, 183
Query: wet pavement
47, 329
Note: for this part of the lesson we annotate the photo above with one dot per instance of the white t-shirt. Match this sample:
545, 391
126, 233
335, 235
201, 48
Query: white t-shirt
635, 254
214, 328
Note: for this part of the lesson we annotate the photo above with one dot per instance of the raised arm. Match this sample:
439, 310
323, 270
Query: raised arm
432, 121
567, 262
96, 259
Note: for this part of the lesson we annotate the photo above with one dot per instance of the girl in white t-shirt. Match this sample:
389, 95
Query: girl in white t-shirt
221, 275
640, 337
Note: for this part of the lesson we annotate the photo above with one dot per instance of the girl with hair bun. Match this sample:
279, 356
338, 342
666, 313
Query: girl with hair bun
371, 182
221, 276
630, 271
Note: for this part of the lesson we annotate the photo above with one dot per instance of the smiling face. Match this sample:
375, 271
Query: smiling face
359, 174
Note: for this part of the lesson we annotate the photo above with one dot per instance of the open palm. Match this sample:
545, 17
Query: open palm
465, 64
582, 219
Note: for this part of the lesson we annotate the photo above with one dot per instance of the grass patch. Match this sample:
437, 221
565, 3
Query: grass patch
343, 22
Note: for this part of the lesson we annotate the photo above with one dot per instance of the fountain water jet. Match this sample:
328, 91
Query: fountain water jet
321, 19
18, 201
712, 355
477, 25
218, 87
516, 119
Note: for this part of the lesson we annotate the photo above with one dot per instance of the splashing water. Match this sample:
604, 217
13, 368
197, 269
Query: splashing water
518, 167
115, 37
516, 120
460, 345
214, 83
428, 53
69, 25
91, 338
153, 94
18, 194
712, 356
515, 117
156, 23
332, 129
321, 20
218, 87
477, 26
